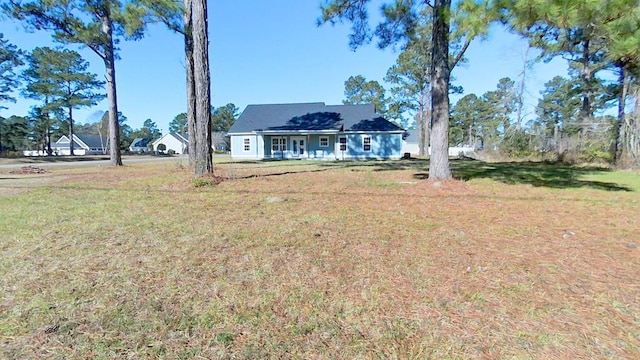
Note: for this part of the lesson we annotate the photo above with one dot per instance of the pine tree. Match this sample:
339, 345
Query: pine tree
203, 158
96, 24
592, 35
357, 90
177, 15
60, 79
558, 110
222, 118
10, 60
469, 19
465, 124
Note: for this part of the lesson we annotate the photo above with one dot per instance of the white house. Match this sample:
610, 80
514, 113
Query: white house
179, 143
410, 142
83, 144
410, 145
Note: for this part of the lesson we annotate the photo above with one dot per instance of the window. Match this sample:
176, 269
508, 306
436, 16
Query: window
247, 144
343, 144
324, 142
278, 144
366, 143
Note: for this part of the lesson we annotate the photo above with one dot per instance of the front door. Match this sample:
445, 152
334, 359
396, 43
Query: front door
298, 146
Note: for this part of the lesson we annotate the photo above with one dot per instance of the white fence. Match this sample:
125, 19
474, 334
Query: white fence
412, 149
56, 152
458, 150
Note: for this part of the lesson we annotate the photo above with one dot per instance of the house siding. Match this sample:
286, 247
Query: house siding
319, 152
256, 147
410, 147
172, 143
313, 150
383, 146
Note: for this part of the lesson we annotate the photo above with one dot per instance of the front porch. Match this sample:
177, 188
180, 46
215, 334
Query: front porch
300, 146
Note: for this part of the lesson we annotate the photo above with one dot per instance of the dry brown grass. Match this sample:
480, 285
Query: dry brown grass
359, 261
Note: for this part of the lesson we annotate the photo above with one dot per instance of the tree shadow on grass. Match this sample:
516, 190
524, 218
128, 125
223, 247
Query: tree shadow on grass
539, 174
379, 165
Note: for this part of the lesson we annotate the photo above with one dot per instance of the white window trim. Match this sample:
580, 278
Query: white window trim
325, 138
342, 143
246, 142
279, 143
364, 144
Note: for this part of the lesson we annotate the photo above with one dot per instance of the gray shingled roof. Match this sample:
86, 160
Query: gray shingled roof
92, 141
411, 136
182, 137
311, 117
140, 142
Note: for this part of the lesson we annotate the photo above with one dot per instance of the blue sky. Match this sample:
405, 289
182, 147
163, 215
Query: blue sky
269, 52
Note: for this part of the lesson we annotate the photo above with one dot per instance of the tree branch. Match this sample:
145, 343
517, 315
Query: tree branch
456, 60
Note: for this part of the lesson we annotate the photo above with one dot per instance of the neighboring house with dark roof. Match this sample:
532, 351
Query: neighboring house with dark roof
83, 144
140, 145
178, 143
219, 141
314, 131
410, 145
410, 142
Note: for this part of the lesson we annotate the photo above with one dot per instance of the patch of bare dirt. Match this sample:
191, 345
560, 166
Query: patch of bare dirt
29, 170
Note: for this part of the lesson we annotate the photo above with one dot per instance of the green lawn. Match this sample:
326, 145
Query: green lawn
335, 260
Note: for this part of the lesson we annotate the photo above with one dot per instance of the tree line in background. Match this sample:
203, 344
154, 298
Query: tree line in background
54, 117
59, 80
99, 25
598, 38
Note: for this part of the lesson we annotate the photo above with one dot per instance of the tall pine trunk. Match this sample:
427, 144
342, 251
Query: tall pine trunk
587, 92
48, 127
439, 161
424, 120
48, 138
618, 139
109, 63
203, 161
556, 137
421, 132
191, 85
71, 131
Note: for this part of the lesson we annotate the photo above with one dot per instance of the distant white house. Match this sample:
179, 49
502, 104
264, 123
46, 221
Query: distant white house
177, 143
410, 145
83, 144
410, 142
